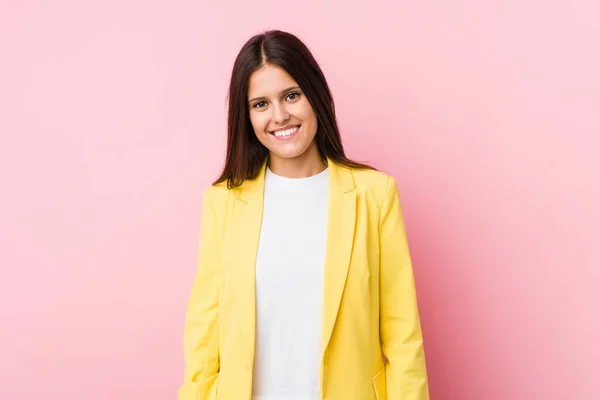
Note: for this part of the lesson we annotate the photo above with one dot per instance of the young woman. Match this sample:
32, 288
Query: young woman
305, 287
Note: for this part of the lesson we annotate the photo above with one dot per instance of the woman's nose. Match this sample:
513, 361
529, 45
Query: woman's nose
280, 114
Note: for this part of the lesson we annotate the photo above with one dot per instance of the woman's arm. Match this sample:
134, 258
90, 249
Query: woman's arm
201, 331
400, 328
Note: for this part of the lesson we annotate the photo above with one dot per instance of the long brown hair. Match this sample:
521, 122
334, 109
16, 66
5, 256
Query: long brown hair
245, 154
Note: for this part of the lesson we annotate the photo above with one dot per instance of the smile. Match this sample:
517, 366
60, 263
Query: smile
286, 133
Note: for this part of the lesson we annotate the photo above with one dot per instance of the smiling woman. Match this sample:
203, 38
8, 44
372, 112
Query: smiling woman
276, 83
284, 122
305, 288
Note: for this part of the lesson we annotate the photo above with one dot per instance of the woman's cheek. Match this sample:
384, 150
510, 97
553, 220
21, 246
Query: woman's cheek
257, 124
262, 123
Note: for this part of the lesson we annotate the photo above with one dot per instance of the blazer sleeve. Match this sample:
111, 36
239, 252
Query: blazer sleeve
400, 328
200, 336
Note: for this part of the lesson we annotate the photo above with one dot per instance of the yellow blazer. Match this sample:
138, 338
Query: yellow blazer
369, 301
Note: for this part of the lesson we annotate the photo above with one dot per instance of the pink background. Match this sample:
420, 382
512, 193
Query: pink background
112, 124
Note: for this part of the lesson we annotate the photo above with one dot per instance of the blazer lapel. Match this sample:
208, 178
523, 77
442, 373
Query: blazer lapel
247, 221
340, 236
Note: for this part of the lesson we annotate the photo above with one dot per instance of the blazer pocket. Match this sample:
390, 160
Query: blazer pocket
379, 385
206, 389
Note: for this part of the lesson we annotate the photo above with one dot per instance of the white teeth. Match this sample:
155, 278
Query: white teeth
287, 132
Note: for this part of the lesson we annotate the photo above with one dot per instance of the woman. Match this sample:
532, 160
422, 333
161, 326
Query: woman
305, 287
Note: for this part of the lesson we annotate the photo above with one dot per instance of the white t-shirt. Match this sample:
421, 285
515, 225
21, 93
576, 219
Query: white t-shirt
289, 282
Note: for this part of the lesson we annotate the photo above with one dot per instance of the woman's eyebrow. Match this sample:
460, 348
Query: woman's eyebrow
283, 91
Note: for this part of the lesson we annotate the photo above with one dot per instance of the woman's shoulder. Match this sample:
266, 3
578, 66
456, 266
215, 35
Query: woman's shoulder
217, 196
218, 191
374, 181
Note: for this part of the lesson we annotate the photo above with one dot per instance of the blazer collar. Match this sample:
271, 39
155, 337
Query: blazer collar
340, 180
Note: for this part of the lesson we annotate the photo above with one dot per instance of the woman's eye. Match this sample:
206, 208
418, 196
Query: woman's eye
260, 104
293, 96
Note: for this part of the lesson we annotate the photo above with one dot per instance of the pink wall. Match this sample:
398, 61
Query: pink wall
112, 123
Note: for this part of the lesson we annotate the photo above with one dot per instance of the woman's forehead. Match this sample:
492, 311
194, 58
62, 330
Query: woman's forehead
269, 80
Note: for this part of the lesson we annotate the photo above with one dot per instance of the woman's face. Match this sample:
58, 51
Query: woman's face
281, 116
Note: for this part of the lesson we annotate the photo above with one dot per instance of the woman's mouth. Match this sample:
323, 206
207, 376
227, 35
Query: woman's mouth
285, 134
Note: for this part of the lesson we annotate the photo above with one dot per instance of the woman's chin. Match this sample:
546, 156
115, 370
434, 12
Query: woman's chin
287, 153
